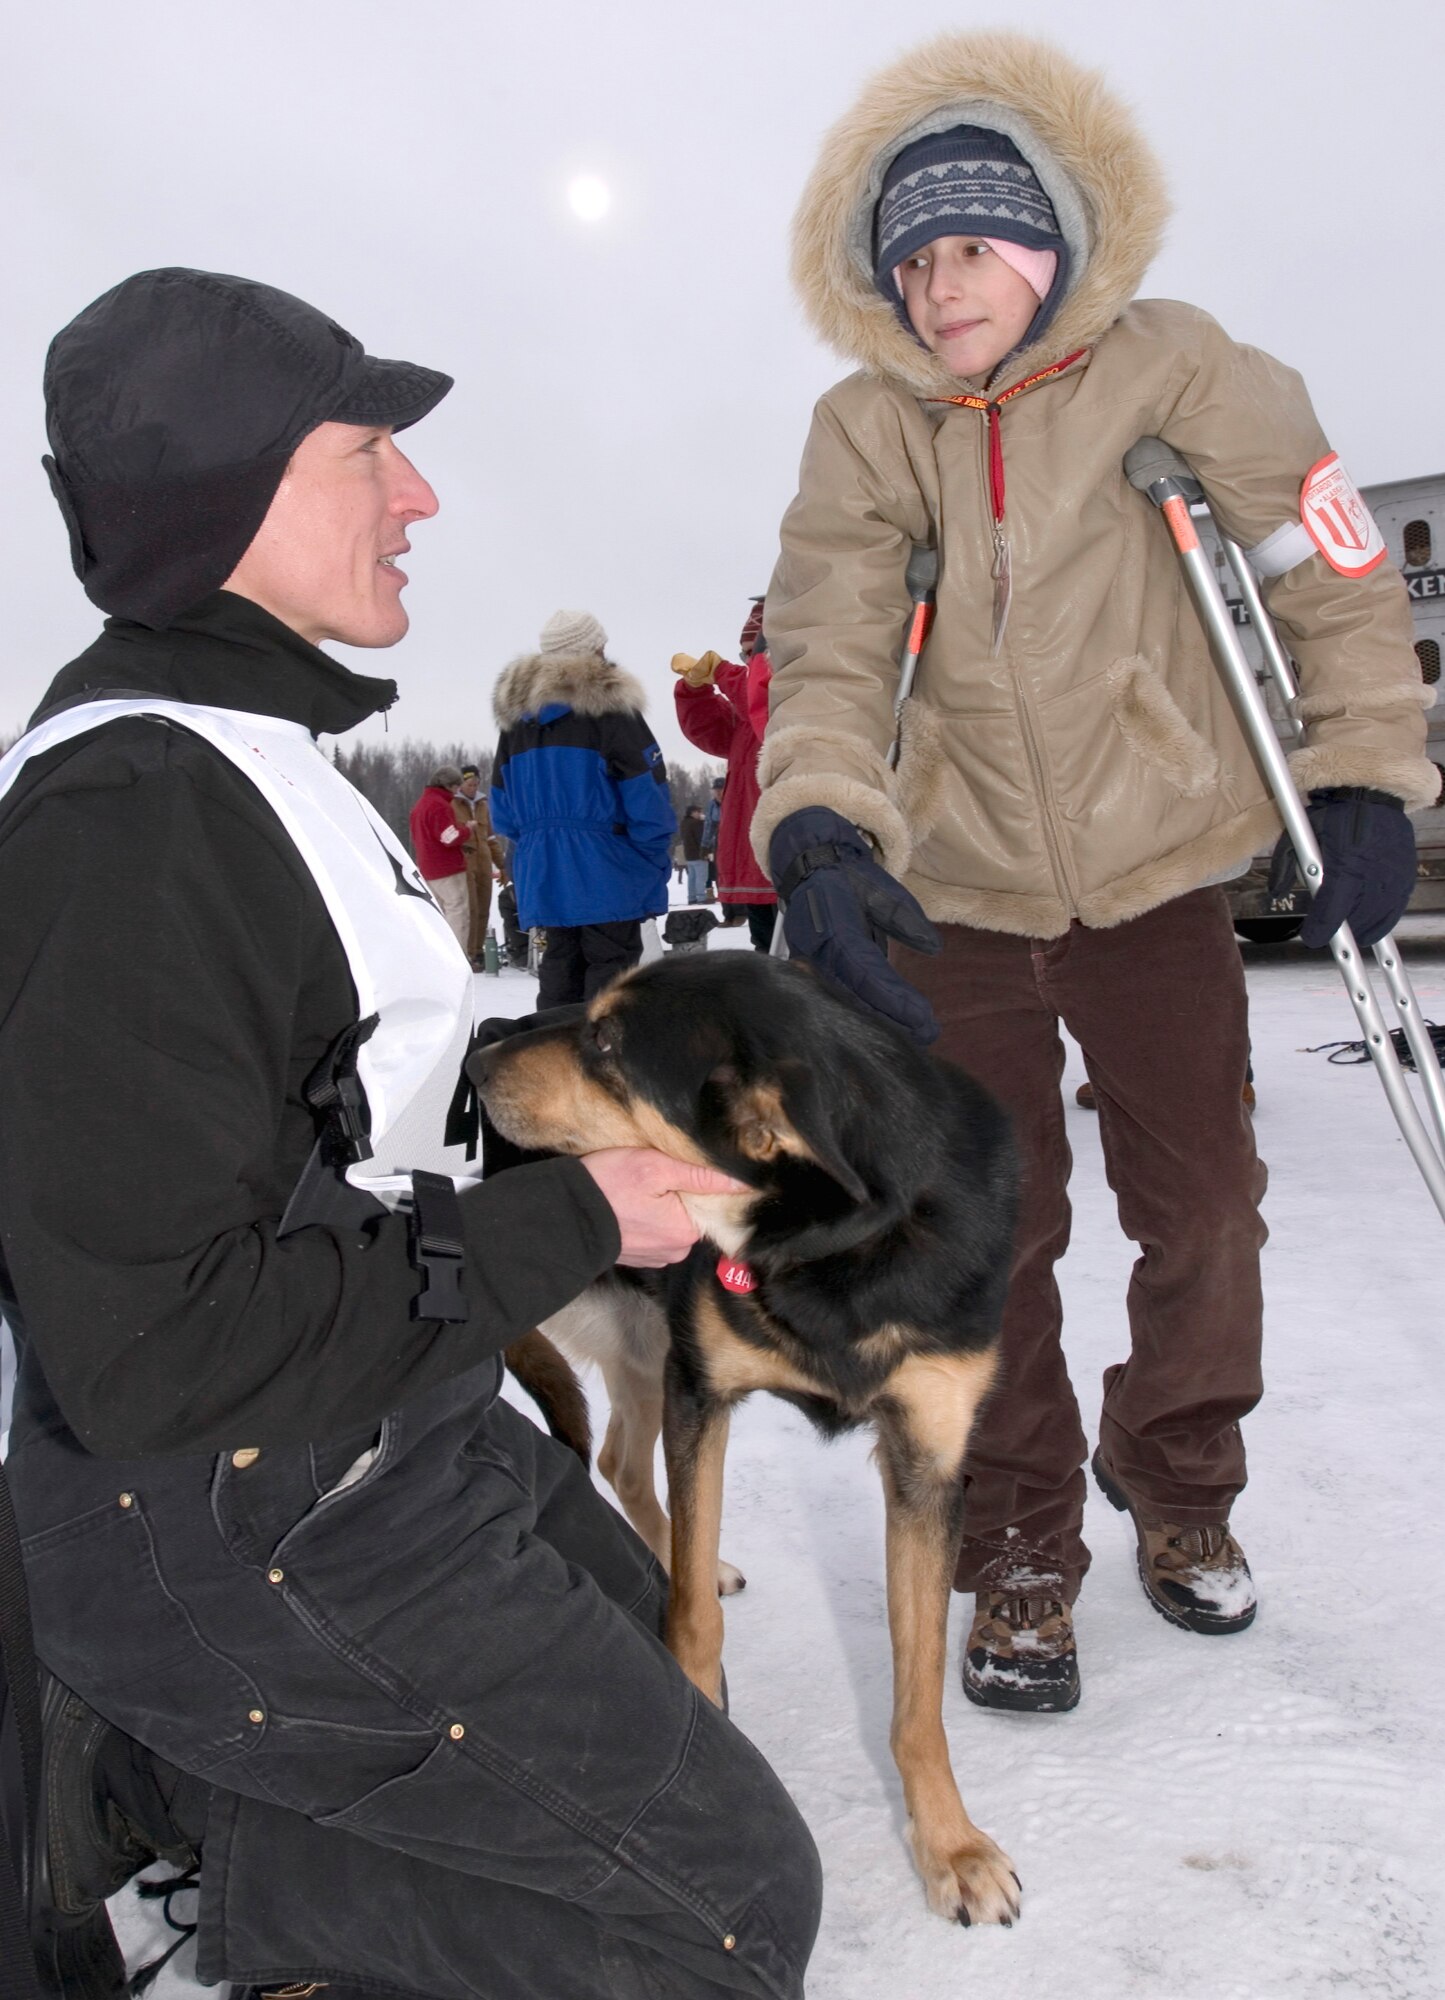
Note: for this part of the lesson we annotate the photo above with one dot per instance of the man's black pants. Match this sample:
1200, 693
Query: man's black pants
451, 1756
581, 958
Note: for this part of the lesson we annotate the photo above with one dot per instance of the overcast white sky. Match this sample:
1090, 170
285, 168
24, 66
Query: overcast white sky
632, 395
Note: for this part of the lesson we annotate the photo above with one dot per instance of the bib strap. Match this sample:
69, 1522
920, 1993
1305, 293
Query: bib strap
437, 1249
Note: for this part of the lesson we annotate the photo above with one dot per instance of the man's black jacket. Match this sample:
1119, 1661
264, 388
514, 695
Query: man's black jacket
169, 977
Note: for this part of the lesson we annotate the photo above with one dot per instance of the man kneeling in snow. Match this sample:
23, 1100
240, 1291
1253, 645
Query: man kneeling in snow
395, 1665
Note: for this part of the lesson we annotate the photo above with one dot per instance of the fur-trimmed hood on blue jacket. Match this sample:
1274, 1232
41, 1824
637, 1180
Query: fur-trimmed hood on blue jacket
586, 682
579, 784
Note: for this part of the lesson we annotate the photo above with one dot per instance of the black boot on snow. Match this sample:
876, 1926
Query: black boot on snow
104, 1815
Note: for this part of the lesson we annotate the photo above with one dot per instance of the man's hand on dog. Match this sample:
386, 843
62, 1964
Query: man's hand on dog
839, 906
642, 1188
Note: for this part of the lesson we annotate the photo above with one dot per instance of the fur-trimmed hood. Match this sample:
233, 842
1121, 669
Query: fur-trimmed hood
585, 682
1106, 186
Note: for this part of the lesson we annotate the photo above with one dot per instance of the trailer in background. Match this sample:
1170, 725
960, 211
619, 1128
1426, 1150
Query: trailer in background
1411, 514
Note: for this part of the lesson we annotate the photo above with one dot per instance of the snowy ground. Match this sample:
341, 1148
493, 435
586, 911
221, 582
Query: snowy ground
1250, 1819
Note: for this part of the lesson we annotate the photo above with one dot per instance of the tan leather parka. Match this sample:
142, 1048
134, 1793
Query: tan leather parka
1091, 767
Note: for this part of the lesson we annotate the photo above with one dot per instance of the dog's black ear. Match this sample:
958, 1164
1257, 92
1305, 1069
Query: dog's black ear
789, 1113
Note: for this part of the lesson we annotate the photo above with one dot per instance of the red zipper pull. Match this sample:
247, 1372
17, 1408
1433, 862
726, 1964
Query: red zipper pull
995, 461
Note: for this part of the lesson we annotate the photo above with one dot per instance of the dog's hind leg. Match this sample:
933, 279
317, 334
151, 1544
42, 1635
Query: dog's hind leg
549, 1379
628, 1458
924, 1418
695, 1436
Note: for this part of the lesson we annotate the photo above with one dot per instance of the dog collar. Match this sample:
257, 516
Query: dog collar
734, 1276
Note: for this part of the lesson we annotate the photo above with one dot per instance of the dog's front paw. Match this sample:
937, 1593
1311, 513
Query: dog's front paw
970, 1881
729, 1580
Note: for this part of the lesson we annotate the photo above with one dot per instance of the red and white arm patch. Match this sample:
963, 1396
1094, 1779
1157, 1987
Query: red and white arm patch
1337, 520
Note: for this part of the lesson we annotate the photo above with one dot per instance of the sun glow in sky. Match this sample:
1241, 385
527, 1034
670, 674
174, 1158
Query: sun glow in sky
635, 380
590, 198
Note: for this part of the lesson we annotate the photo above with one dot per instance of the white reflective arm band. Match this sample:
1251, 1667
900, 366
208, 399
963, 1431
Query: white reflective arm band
449, 834
1289, 546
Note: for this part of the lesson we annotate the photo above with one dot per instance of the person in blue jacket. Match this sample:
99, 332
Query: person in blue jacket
579, 784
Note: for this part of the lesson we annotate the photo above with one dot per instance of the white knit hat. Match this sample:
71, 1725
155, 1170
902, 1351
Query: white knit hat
573, 632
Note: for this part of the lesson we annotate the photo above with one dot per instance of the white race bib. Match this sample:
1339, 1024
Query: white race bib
404, 959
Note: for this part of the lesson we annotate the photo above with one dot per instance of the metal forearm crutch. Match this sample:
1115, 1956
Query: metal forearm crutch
1387, 951
1157, 470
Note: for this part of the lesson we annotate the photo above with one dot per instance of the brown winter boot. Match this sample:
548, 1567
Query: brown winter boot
1020, 1652
1195, 1577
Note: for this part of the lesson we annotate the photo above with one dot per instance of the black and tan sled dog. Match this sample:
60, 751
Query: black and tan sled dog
861, 1277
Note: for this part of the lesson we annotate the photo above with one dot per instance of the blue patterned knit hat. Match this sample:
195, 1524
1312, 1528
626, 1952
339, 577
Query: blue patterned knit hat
967, 181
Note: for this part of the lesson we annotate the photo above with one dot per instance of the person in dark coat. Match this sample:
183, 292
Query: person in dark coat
693, 858
711, 821
579, 784
381, 1651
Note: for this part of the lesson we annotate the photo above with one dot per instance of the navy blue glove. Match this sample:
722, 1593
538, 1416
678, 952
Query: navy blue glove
1367, 845
838, 907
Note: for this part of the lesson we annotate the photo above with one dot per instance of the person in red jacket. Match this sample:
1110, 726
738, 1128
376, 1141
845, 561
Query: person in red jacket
722, 709
440, 845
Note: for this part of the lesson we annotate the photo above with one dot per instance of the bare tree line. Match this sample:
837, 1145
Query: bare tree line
392, 775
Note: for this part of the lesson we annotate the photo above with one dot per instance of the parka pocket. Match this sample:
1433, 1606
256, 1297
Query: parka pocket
1157, 730
109, 1627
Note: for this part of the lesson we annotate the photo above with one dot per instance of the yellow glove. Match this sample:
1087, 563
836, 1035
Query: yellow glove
697, 673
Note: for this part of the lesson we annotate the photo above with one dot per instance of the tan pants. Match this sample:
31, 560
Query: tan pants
450, 892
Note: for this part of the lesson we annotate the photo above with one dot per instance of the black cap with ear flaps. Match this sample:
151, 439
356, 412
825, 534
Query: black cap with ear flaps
173, 405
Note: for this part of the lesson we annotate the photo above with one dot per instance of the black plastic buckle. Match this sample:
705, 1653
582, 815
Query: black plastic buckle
824, 855
437, 1251
334, 1093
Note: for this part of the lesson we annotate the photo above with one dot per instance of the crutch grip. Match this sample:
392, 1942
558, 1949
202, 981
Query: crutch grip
1151, 460
921, 576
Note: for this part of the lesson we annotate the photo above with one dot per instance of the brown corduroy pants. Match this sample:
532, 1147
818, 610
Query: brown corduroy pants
1158, 1006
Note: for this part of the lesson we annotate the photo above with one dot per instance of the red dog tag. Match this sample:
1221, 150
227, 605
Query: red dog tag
735, 1277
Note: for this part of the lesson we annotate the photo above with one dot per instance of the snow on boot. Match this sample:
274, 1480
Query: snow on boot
1195, 1577
1020, 1651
